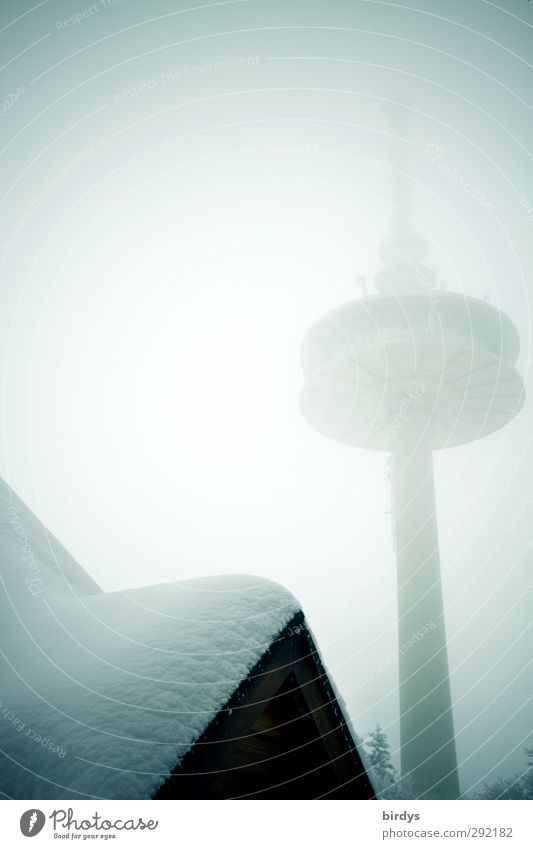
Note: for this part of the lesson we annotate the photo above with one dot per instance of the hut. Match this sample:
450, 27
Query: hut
209, 688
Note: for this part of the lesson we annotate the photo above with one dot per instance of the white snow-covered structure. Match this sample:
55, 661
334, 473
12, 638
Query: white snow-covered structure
207, 688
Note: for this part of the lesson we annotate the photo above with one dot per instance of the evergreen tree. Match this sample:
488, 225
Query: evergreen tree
518, 786
379, 757
528, 776
387, 783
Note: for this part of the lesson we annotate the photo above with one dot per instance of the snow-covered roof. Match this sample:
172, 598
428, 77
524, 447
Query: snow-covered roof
103, 693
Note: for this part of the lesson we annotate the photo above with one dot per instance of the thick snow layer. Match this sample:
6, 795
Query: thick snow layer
102, 694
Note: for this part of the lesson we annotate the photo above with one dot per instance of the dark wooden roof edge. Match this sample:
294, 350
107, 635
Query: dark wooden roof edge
296, 626
334, 698
337, 700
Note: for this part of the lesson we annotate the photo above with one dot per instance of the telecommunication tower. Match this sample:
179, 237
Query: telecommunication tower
410, 370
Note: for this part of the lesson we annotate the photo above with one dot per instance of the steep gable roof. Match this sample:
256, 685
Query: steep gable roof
104, 693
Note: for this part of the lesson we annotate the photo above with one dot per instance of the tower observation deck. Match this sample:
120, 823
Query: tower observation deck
409, 370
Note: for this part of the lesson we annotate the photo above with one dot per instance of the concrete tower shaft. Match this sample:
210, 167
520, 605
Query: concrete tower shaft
428, 755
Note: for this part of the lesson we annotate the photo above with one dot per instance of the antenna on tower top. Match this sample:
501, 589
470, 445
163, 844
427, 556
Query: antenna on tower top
404, 250
401, 196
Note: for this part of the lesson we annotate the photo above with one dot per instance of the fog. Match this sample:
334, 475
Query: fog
185, 191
